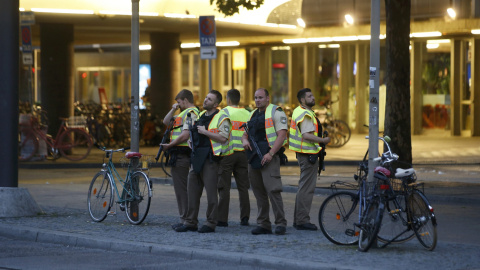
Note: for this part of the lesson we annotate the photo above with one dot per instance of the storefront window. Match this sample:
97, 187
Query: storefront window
279, 93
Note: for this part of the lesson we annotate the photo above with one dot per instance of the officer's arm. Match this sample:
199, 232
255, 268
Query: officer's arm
281, 136
312, 138
214, 136
245, 142
166, 119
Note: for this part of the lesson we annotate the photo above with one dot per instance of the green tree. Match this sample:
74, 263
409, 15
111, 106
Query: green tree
230, 7
397, 107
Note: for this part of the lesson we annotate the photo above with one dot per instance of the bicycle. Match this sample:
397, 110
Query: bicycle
339, 212
338, 130
136, 192
71, 142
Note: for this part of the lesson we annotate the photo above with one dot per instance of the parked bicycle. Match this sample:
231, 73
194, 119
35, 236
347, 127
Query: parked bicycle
338, 130
136, 189
393, 209
71, 142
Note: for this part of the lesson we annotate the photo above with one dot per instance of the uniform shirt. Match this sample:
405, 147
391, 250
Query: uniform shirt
224, 128
185, 125
280, 120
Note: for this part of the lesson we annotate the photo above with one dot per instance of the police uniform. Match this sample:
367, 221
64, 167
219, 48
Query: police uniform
266, 182
182, 164
304, 121
234, 161
207, 177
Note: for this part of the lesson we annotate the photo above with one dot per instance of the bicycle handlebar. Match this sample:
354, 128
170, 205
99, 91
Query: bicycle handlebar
388, 156
103, 148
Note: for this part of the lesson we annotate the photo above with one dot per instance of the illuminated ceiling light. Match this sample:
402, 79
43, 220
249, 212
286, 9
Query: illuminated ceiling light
438, 41
21, 9
349, 19
190, 45
383, 36
301, 22
451, 13
345, 38
322, 46
295, 40
433, 46
333, 46
280, 48
126, 13
177, 15
364, 37
63, 11
476, 31
426, 34
146, 47
320, 39
227, 43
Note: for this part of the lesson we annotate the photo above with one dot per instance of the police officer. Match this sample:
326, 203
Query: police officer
235, 161
209, 133
269, 125
178, 148
305, 138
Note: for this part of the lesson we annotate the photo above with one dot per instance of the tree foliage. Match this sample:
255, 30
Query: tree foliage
230, 7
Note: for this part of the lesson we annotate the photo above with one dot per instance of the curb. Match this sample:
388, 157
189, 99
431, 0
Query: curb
71, 239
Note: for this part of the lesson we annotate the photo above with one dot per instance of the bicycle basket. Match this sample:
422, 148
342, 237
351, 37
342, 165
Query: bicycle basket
77, 122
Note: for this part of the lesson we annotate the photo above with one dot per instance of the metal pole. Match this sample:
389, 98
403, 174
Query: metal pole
373, 83
9, 34
135, 63
209, 75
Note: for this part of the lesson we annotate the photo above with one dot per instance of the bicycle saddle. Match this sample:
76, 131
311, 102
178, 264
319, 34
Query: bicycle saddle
133, 154
404, 172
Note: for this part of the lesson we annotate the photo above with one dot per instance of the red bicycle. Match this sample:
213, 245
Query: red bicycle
72, 141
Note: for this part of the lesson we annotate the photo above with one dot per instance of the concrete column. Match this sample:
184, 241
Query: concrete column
416, 54
475, 89
455, 87
310, 69
361, 87
345, 58
165, 63
57, 76
265, 68
294, 78
9, 55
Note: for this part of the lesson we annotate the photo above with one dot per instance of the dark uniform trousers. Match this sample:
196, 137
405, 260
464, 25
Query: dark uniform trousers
238, 164
306, 189
180, 178
267, 185
208, 178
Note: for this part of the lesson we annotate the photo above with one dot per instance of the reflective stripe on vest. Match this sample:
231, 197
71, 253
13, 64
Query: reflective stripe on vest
213, 127
237, 116
295, 140
269, 124
178, 124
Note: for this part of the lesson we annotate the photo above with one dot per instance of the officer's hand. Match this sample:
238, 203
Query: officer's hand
166, 146
266, 159
326, 140
175, 106
201, 129
246, 145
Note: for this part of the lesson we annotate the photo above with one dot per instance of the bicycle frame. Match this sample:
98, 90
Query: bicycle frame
109, 168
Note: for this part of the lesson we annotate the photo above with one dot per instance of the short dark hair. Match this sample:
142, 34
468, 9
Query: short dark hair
234, 96
301, 93
185, 94
217, 94
265, 90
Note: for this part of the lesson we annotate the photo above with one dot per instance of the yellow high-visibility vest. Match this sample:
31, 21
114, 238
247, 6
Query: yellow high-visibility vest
295, 140
269, 124
213, 127
238, 117
178, 124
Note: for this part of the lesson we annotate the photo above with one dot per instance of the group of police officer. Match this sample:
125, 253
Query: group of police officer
207, 147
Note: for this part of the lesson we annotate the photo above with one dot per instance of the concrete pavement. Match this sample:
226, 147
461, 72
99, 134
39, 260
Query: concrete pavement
450, 168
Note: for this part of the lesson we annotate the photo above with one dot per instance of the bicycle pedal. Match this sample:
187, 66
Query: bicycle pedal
395, 211
350, 232
112, 213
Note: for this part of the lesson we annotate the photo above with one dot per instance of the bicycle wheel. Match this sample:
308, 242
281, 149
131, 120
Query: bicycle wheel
395, 222
137, 196
340, 132
27, 146
337, 216
100, 196
423, 220
370, 224
52, 152
166, 169
74, 144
